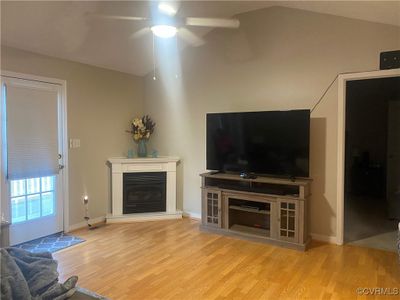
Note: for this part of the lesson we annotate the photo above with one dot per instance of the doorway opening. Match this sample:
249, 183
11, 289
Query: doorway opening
372, 162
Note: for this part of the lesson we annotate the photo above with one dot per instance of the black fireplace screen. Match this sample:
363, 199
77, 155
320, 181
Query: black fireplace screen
144, 192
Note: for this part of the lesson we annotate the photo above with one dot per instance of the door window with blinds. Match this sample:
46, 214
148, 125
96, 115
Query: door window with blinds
32, 150
32, 131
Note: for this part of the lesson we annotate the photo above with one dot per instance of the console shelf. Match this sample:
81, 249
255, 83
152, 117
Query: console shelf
250, 230
265, 209
264, 212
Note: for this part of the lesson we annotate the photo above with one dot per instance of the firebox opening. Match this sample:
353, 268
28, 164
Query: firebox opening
144, 192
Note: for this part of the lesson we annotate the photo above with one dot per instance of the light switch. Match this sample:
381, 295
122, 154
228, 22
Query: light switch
74, 143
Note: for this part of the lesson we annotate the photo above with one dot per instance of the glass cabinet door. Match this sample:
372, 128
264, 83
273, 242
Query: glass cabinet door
213, 201
288, 221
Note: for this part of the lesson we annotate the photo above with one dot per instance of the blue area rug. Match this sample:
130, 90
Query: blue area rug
50, 243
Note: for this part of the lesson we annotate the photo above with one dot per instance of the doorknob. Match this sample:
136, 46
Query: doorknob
60, 167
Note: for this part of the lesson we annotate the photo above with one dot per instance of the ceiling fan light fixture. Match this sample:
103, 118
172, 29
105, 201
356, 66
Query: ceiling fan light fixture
164, 31
167, 9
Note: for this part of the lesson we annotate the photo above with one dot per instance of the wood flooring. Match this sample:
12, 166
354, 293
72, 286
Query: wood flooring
174, 260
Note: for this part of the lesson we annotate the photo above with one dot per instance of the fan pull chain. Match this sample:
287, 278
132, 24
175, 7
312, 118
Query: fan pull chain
154, 61
177, 51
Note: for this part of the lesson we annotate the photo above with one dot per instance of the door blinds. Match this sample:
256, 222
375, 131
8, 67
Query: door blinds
32, 129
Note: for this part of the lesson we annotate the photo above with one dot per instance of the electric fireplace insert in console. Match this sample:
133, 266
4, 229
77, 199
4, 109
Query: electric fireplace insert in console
144, 192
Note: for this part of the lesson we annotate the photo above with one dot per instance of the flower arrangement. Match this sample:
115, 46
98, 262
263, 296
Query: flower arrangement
142, 128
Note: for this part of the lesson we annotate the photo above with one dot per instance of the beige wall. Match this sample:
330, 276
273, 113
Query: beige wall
279, 59
100, 105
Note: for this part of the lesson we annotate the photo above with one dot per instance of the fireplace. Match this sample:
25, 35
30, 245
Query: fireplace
144, 192
143, 189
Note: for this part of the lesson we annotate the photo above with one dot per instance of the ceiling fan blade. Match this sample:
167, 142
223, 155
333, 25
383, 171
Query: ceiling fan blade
190, 37
126, 18
213, 22
140, 33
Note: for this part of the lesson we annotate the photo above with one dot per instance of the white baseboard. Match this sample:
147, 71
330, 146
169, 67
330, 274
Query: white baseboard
84, 224
324, 238
192, 215
143, 217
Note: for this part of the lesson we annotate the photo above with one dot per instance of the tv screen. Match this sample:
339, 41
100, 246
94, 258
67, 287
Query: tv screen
268, 142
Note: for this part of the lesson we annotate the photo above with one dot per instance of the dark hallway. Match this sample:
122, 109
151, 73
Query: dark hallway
372, 166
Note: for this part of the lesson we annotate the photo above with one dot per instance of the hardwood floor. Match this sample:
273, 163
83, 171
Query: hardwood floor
174, 260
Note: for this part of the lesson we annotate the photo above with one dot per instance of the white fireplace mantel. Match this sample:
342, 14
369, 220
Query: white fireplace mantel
120, 165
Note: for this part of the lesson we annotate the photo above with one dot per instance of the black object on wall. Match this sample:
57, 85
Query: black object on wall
144, 192
390, 60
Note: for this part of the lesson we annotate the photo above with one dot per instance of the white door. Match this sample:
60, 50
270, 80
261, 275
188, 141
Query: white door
393, 162
34, 187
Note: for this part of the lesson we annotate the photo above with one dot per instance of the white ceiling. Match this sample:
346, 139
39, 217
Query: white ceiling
63, 29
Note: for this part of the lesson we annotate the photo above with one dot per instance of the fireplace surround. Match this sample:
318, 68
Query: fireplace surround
148, 185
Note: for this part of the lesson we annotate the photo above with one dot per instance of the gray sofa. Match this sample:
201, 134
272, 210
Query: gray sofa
26, 275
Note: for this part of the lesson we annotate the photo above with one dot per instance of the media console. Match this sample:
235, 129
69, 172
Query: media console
264, 209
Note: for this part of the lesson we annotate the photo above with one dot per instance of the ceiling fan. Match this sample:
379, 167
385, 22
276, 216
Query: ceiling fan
165, 22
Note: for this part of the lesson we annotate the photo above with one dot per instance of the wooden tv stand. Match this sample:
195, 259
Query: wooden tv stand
264, 209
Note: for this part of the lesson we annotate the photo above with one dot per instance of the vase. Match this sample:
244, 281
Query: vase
142, 148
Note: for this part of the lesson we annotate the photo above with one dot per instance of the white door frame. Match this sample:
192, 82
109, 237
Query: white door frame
64, 140
341, 143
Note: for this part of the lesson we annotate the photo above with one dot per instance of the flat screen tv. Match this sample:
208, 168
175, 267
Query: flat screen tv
266, 142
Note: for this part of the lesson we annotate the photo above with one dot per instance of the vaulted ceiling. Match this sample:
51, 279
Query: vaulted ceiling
64, 29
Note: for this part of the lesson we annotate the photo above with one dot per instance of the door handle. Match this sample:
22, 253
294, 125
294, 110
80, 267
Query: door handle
60, 167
